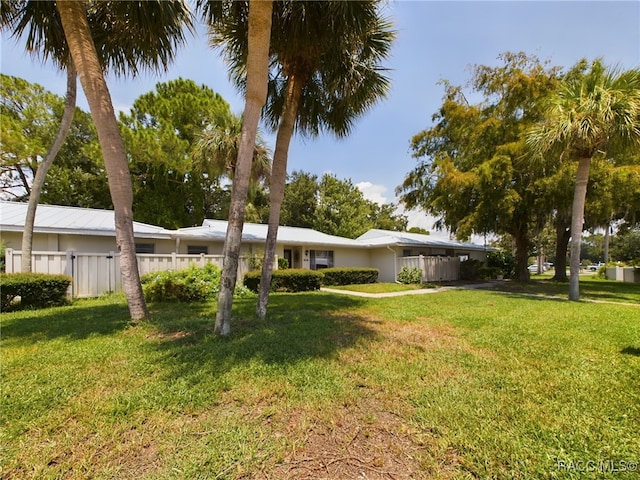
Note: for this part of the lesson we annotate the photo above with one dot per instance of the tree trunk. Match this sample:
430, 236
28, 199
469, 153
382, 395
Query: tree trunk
522, 256
563, 234
255, 96
83, 51
41, 173
577, 219
607, 240
276, 187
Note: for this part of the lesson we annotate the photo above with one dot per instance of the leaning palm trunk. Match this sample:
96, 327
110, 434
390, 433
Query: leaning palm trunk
255, 97
41, 173
276, 187
577, 218
82, 49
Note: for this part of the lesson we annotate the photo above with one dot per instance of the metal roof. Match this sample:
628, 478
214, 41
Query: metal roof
88, 221
59, 219
384, 238
255, 232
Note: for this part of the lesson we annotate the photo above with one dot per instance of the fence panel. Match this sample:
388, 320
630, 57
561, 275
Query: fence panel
434, 269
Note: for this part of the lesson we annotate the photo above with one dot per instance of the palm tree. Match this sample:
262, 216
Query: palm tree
216, 151
326, 74
224, 16
170, 16
154, 48
45, 38
593, 114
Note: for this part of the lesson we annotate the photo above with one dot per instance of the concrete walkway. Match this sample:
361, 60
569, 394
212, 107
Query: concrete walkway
422, 291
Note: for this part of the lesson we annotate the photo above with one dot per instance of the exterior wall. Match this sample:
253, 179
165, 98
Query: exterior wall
384, 260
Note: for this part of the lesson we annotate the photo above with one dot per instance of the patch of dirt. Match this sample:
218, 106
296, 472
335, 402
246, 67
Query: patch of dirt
363, 441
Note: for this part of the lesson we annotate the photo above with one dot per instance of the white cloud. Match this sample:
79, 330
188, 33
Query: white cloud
374, 193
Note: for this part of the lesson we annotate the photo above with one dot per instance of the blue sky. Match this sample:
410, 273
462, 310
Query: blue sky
435, 41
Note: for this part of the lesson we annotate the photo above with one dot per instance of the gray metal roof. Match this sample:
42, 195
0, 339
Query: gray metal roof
88, 221
254, 232
384, 238
59, 219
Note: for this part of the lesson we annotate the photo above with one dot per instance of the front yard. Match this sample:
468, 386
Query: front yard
458, 384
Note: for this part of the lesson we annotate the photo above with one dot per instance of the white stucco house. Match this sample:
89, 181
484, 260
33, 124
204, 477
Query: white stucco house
60, 229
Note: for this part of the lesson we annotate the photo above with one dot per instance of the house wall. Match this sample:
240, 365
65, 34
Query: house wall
384, 259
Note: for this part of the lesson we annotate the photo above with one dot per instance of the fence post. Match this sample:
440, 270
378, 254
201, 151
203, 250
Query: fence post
8, 260
174, 261
69, 270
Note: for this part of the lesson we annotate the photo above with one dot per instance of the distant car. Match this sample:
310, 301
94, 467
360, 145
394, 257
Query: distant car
534, 268
596, 266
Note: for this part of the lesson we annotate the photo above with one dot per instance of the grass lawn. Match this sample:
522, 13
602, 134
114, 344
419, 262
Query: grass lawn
455, 385
380, 287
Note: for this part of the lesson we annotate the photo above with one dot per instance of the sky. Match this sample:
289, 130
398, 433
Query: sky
436, 40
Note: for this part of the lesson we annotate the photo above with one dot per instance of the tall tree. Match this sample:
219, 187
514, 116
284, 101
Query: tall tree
472, 171
29, 115
157, 28
170, 182
593, 114
253, 25
77, 32
327, 72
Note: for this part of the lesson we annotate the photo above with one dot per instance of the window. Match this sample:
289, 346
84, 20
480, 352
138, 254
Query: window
197, 249
406, 252
145, 248
320, 259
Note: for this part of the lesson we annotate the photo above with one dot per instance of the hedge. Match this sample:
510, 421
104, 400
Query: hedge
290, 280
349, 276
37, 290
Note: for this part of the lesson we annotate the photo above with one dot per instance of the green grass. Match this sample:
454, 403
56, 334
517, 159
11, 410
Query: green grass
461, 384
592, 288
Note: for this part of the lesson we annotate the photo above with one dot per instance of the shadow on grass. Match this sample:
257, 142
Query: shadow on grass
634, 351
76, 321
298, 327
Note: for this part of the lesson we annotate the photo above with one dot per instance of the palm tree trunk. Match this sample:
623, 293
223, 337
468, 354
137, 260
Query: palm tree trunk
577, 219
276, 187
255, 97
83, 51
41, 173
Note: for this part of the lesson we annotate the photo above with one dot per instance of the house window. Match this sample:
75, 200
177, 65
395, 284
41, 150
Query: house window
197, 249
145, 248
320, 259
406, 252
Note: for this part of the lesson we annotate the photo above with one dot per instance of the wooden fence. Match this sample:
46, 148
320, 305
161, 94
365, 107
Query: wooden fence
95, 274
434, 269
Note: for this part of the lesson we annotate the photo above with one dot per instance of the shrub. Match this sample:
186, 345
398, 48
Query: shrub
489, 273
37, 290
349, 276
410, 275
192, 284
470, 269
290, 280
503, 261
283, 263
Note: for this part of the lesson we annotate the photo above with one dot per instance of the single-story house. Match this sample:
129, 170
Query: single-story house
64, 229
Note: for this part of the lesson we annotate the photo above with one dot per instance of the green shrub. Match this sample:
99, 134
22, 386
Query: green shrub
503, 261
410, 276
192, 284
470, 269
290, 280
490, 273
36, 290
349, 276
283, 263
